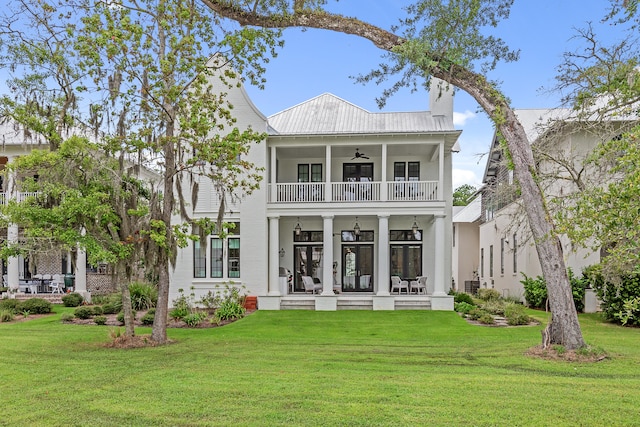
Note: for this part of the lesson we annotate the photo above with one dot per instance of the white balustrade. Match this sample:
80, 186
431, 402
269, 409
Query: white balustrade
314, 192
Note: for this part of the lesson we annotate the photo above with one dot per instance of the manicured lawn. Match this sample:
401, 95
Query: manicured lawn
349, 368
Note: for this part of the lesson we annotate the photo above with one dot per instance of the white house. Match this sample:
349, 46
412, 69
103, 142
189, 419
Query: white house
350, 198
466, 241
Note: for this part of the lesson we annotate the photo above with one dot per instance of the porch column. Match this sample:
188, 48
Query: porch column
274, 256
13, 263
327, 259
273, 178
80, 284
327, 184
383, 255
384, 186
438, 279
441, 171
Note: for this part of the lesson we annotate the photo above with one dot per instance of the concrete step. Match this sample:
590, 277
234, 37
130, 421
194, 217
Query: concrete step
355, 304
412, 304
298, 304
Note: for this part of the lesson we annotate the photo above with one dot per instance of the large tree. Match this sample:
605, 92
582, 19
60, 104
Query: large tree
154, 75
445, 39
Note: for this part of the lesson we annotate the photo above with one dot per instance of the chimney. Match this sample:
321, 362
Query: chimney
441, 98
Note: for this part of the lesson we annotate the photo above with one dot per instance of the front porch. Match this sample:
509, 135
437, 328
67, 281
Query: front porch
355, 302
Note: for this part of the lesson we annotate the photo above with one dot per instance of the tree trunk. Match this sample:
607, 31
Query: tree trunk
159, 330
129, 327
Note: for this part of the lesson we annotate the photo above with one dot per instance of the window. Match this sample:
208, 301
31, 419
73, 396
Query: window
199, 260
502, 256
491, 261
515, 254
409, 171
234, 257
224, 254
310, 172
414, 171
399, 171
481, 262
216, 257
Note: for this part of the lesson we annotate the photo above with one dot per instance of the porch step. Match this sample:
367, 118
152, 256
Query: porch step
354, 304
413, 304
298, 304
52, 298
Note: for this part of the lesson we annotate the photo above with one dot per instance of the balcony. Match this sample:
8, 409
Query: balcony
345, 192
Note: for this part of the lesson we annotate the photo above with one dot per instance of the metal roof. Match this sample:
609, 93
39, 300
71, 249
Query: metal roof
470, 213
328, 114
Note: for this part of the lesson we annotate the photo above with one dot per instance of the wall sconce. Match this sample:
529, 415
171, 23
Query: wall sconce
414, 227
281, 252
297, 228
356, 228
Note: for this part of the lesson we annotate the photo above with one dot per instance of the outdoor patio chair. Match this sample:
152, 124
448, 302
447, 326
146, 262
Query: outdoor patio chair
57, 284
419, 285
399, 284
310, 286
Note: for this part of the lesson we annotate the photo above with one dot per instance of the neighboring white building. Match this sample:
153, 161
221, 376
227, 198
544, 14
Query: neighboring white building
350, 198
505, 248
466, 241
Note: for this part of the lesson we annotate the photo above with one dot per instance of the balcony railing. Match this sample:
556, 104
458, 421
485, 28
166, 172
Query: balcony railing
21, 197
315, 192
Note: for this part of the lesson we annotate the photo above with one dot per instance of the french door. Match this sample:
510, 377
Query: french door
308, 262
357, 268
357, 172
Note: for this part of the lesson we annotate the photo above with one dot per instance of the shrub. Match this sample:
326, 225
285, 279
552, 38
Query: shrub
100, 320
12, 305
36, 306
97, 310
630, 311
110, 308
486, 319
6, 315
194, 319
83, 312
229, 310
515, 315
476, 313
120, 316
535, 291
617, 300
488, 294
67, 317
463, 307
179, 313
73, 299
115, 299
577, 290
493, 306
147, 319
462, 297
143, 295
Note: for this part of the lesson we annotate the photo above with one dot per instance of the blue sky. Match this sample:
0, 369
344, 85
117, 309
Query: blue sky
314, 62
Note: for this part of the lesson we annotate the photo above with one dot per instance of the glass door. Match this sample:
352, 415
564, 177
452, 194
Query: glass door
357, 274
308, 262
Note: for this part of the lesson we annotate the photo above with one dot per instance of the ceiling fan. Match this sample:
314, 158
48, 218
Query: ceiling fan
359, 155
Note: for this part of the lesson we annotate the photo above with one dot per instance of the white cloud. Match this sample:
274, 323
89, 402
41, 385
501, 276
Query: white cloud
464, 176
459, 119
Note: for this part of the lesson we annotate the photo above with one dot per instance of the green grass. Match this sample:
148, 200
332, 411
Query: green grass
291, 368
